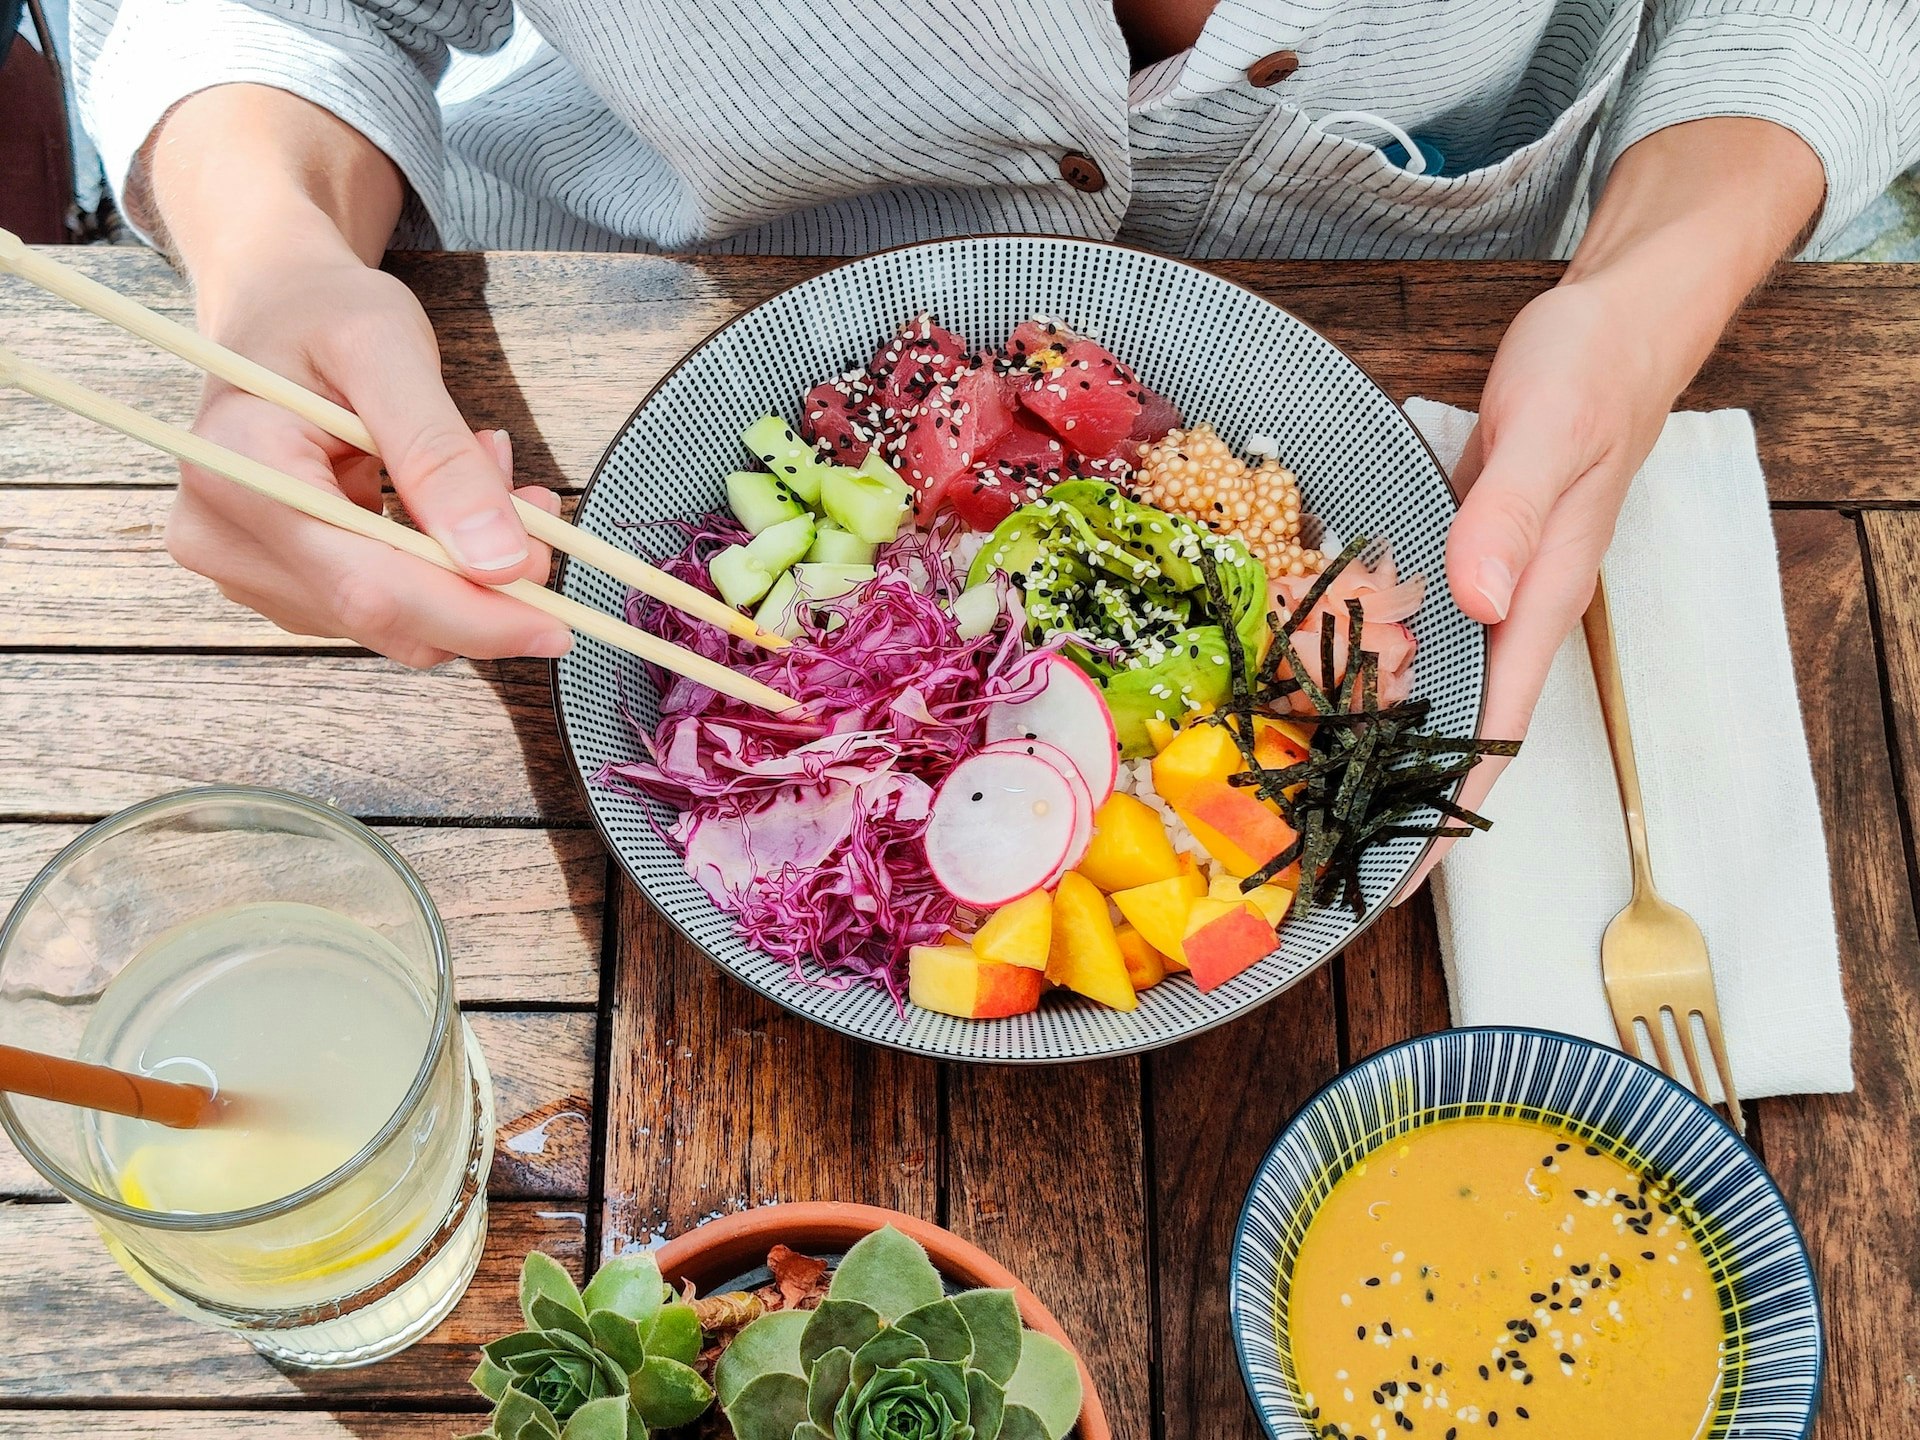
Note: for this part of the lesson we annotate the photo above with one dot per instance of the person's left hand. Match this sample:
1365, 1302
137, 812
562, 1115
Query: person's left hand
1574, 401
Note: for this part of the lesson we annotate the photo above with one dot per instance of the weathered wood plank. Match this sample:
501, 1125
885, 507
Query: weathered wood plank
1394, 986
229, 1424
1045, 1171
559, 348
718, 1100
1842, 1159
523, 908
1218, 1102
78, 1330
542, 1068
89, 567
80, 736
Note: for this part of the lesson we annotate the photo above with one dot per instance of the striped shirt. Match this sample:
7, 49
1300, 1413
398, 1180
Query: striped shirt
841, 126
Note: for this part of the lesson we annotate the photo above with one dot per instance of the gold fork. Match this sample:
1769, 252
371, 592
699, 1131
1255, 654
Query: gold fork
1653, 958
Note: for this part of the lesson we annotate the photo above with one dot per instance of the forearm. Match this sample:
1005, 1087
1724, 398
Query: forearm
1693, 219
240, 173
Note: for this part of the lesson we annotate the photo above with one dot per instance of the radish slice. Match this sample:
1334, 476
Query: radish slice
1082, 797
1071, 714
1001, 824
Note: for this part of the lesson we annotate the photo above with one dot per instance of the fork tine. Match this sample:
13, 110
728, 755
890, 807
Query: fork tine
1683, 1022
1710, 1019
1657, 1027
1627, 1023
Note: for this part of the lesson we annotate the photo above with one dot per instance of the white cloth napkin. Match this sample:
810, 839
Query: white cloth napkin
1733, 821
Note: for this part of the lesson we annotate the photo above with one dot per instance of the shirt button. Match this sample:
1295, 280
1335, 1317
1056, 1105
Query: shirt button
1272, 69
1080, 172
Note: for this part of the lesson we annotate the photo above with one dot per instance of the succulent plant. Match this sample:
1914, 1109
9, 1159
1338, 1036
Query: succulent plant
612, 1363
889, 1355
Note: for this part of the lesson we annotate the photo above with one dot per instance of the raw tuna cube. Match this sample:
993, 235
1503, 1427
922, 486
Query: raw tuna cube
956, 427
836, 417
1091, 402
989, 495
1030, 451
1038, 342
1157, 416
908, 367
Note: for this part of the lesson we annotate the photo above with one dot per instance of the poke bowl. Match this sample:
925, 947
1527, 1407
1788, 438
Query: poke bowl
1099, 414
1444, 1202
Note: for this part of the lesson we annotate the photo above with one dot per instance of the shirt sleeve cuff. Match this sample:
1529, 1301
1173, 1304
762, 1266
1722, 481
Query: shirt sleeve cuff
159, 52
1840, 93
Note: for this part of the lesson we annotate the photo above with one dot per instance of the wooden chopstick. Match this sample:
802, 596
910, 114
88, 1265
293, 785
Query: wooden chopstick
341, 423
338, 511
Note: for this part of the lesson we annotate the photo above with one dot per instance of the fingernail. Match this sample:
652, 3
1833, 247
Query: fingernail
489, 540
503, 452
1496, 583
553, 646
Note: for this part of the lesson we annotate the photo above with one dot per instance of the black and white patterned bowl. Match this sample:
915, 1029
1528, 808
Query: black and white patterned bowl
1776, 1347
1219, 351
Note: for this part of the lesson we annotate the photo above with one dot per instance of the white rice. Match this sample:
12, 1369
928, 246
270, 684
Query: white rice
1136, 779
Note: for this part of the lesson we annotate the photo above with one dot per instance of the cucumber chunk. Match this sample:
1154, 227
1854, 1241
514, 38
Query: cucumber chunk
793, 460
744, 573
739, 577
780, 546
835, 545
869, 505
975, 610
781, 612
759, 501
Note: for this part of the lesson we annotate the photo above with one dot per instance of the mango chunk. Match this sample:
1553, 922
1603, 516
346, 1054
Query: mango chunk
954, 981
1223, 938
1019, 933
1233, 827
1085, 954
1129, 847
1146, 966
1198, 755
1272, 901
1159, 912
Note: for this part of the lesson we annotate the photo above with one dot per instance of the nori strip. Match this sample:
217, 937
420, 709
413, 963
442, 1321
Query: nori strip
1369, 775
1326, 577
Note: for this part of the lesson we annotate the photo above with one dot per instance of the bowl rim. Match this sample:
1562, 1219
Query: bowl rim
1141, 1047
1238, 1255
948, 1251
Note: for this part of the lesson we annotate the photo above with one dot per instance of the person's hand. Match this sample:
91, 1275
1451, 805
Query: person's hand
1574, 402
320, 316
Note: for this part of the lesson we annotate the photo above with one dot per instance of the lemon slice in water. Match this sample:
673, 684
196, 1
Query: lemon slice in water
226, 1171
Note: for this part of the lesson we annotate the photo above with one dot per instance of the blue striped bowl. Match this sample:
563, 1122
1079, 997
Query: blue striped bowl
1777, 1348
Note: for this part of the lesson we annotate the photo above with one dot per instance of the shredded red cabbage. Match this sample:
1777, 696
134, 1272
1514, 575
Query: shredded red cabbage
809, 831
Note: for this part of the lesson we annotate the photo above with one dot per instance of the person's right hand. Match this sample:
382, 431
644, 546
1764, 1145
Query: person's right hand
357, 336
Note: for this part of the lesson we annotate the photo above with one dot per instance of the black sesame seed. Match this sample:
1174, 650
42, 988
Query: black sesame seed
979, 795
1565, 1358
1646, 1255
1521, 1411
1360, 1332
1375, 1280
1483, 1373
1493, 1419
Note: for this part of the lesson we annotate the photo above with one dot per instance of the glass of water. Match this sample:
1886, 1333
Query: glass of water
284, 955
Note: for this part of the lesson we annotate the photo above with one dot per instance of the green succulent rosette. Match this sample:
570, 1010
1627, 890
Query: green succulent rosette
889, 1355
612, 1363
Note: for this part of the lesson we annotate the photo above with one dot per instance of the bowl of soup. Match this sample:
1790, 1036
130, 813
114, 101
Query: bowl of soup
1506, 1232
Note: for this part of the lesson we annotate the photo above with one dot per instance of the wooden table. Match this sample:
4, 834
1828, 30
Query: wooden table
640, 1090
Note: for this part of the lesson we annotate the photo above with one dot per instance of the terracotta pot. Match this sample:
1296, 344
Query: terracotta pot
716, 1252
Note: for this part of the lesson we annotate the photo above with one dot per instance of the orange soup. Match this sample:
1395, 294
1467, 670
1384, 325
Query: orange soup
1486, 1274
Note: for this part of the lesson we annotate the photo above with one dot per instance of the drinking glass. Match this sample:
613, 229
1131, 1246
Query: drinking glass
176, 897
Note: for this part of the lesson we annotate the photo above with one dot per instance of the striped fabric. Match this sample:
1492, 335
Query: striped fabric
840, 126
